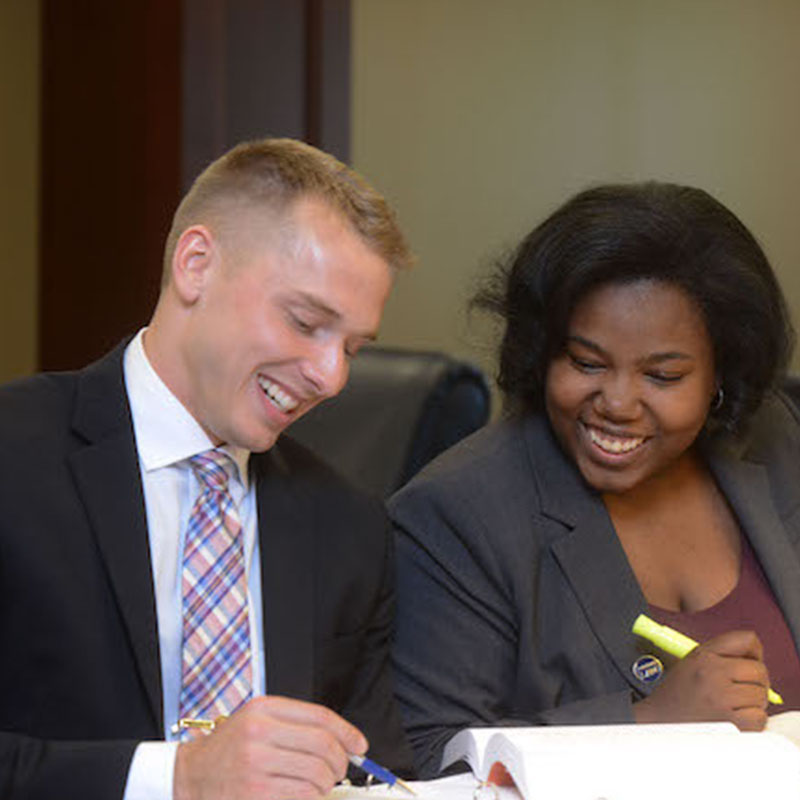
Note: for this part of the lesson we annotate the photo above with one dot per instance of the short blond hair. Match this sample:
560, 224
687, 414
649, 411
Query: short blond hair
273, 174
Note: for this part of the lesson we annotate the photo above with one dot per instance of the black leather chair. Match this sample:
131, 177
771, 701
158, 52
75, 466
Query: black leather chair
791, 385
399, 409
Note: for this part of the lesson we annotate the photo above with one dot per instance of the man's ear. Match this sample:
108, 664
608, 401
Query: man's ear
195, 253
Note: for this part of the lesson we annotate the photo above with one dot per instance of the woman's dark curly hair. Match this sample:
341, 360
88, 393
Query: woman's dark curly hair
648, 231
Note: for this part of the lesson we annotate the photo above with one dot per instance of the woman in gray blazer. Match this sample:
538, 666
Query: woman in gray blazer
645, 465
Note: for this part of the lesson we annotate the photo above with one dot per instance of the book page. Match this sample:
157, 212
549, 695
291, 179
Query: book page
470, 744
661, 765
454, 787
786, 724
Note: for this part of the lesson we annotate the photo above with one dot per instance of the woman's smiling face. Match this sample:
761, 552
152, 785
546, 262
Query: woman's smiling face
631, 388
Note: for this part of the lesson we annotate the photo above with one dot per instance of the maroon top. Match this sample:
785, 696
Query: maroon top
750, 606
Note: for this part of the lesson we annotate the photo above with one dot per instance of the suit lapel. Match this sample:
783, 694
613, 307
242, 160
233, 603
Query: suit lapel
287, 563
745, 484
587, 549
601, 578
106, 472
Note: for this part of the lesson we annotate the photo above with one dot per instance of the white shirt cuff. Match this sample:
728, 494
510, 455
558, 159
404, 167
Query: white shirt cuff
151, 772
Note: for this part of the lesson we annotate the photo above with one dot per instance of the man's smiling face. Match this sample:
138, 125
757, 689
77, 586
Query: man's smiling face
275, 324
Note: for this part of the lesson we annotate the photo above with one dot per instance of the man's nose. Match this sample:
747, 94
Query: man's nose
327, 368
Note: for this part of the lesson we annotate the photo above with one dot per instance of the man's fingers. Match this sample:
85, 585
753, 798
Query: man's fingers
302, 713
298, 764
307, 741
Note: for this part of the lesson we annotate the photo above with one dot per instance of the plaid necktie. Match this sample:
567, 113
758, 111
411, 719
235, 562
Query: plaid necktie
216, 676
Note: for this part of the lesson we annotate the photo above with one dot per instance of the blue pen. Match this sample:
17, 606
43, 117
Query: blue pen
379, 772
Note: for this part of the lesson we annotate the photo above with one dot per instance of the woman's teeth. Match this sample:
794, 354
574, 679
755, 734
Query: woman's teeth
615, 444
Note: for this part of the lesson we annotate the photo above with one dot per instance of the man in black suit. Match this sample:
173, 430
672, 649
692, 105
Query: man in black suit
277, 268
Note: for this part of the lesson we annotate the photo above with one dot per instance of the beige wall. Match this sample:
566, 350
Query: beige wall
19, 143
477, 118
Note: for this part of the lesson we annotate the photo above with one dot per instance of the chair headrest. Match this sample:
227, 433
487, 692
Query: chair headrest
399, 409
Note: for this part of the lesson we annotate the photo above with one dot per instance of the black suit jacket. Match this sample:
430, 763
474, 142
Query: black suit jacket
515, 597
80, 681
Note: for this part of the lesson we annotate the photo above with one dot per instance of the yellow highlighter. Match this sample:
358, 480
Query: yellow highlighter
677, 644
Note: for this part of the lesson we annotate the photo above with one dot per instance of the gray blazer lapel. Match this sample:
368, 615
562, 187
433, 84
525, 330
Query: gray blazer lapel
745, 483
601, 578
287, 585
107, 476
589, 553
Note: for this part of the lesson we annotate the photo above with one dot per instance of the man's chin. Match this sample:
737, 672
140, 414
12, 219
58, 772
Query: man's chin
263, 443
258, 436
255, 440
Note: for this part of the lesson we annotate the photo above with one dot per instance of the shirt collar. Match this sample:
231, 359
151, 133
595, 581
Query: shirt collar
166, 432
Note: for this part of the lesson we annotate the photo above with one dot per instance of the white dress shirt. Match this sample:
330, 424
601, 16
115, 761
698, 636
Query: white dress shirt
166, 437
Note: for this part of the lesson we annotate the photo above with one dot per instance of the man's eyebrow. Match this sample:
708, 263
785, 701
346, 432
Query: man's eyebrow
668, 355
318, 304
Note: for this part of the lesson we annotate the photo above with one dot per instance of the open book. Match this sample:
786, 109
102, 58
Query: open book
787, 723
629, 762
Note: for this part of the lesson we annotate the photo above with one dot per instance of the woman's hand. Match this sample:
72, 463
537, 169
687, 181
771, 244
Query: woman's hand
723, 679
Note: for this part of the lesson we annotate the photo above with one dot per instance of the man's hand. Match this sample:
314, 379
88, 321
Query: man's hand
723, 679
272, 748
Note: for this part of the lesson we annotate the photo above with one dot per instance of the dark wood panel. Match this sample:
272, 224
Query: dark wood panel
204, 94
328, 76
110, 169
256, 68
